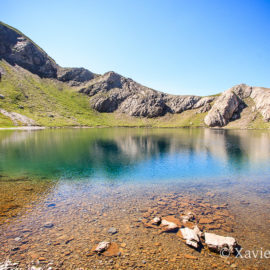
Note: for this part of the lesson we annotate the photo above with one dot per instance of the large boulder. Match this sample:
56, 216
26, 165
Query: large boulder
223, 109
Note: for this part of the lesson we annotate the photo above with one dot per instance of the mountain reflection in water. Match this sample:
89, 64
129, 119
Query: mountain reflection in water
134, 154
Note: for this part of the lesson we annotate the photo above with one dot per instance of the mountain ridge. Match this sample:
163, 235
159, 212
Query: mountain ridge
113, 93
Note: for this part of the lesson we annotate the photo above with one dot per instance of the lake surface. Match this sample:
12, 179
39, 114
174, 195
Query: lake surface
84, 181
138, 155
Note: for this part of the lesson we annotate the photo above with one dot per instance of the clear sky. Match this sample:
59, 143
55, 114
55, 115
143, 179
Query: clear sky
180, 47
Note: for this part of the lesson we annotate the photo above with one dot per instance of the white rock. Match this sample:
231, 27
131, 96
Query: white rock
8, 265
169, 225
192, 243
102, 246
188, 217
156, 221
189, 234
197, 231
217, 242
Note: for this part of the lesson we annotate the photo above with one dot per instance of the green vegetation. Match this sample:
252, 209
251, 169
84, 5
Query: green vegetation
52, 103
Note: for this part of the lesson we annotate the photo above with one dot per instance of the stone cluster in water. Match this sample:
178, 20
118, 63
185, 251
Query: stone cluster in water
150, 230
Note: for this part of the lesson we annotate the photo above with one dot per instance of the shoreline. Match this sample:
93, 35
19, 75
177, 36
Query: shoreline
148, 127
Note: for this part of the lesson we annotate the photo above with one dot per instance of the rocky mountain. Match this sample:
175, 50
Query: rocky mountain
18, 49
113, 93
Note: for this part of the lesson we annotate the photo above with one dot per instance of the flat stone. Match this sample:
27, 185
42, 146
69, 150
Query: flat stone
48, 225
112, 230
112, 251
206, 221
217, 243
188, 256
102, 246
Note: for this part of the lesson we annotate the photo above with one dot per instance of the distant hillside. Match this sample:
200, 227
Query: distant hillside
34, 90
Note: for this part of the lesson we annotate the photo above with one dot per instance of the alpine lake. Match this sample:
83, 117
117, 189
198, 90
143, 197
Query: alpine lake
63, 191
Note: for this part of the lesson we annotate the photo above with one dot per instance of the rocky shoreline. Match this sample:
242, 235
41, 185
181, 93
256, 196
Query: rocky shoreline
149, 231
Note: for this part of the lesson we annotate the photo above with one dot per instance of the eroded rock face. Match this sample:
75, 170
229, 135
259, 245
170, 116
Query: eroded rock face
111, 92
178, 104
261, 97
17, 49
74, 76
223, 109
18, 118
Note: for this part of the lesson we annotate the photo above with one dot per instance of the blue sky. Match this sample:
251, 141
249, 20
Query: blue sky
180, 47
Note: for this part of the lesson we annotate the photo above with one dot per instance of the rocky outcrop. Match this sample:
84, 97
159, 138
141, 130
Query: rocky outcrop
18, 118
222, 111
111, 92
74, 76
261, 97
229, 104
17, 49
178, 104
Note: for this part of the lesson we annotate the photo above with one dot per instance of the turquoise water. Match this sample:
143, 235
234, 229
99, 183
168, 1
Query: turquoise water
85, 181
137, 155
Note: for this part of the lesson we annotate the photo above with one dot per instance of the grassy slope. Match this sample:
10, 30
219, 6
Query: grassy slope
43, 98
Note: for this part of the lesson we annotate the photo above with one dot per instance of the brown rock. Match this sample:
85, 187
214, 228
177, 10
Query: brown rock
206, 221
113, 250
188, 256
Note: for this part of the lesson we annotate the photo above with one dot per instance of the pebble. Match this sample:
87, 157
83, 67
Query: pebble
112, 230
48, 225
188, 256
17, 239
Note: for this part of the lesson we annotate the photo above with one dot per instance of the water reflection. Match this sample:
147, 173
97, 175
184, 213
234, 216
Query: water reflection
134, 154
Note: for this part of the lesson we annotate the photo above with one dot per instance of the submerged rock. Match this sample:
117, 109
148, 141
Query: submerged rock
218, 243
102, 246
8, 265
170, 223
188, 217
191, 236
168, 226
112, 230
105, 248
156, 221
48, 225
